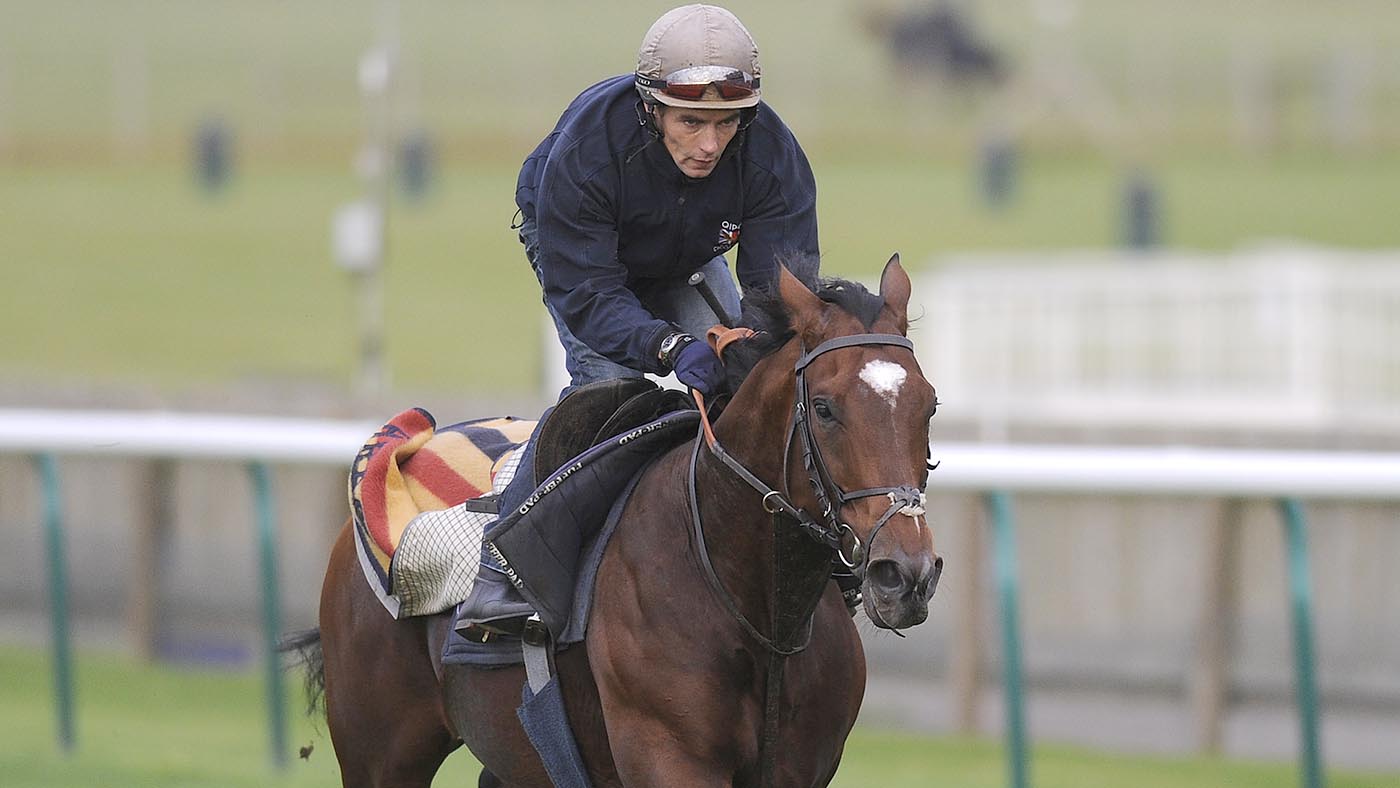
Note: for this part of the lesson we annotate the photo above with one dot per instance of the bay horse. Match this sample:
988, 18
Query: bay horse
718, 652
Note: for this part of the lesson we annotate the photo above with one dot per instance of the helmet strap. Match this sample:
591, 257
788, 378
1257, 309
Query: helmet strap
747, 116
646, 116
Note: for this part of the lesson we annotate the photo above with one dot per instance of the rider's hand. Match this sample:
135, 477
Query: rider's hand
697, 366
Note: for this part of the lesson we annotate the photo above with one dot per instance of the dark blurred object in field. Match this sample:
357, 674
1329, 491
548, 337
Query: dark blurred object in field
1141, 212
417, 164
936, 41
213, 154
998, 162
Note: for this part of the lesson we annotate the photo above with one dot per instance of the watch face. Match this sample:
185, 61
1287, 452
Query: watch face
669, 345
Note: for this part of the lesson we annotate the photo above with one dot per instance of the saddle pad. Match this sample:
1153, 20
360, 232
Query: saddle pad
418, 546
506, 651
539, 543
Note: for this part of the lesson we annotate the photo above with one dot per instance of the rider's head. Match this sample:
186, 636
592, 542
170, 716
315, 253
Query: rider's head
697, 73
700, 57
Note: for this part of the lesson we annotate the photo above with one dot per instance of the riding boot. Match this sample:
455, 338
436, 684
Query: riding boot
849, 585
494, 605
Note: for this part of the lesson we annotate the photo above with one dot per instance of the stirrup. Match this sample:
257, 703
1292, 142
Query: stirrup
494, 608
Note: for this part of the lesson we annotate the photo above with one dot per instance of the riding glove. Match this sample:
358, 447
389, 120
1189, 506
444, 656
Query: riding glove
697, 366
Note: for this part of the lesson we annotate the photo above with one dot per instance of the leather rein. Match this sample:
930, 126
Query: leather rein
827, 528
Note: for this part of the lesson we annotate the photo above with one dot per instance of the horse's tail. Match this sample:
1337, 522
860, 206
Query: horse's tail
306, 644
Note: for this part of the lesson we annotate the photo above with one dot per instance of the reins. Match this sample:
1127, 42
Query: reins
725, 598
829, 532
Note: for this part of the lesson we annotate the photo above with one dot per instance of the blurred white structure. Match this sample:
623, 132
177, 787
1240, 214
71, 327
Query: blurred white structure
555, 375
1271, 339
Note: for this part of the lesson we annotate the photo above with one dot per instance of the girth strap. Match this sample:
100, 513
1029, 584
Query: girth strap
772, 708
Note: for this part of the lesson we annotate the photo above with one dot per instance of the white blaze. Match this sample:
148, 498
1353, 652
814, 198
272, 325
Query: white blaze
885, 377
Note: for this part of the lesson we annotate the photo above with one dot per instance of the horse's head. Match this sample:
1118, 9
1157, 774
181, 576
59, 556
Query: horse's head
861, 435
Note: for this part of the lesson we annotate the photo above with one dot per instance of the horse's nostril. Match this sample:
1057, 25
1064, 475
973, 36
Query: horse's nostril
886, 576
931, 582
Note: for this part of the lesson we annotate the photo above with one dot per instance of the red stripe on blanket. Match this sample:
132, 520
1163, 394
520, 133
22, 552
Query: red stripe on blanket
437, 477
377, 465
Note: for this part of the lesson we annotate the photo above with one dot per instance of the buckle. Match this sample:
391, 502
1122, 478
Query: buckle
475, 634
853, 599
496, 628
534, 632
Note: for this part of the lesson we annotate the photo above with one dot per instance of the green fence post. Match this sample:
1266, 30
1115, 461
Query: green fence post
58, 596
1300, 592
271, 610
999, 505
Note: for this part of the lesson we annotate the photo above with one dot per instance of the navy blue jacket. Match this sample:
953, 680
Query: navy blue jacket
614, 213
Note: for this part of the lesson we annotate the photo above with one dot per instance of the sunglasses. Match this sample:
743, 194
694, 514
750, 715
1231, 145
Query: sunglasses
690, 84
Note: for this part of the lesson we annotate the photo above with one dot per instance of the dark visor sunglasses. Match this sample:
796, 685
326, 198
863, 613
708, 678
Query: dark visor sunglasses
690, 84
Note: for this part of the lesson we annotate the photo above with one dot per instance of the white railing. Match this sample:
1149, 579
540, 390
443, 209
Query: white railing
203, 436
966, 466
1291, 337
995, 470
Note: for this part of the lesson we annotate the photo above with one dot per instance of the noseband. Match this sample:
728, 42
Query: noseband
904, 499
826, 529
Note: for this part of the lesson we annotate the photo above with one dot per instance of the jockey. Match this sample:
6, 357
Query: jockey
646, 179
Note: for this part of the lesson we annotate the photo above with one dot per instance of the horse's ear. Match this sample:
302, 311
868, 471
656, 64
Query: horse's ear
895, 289
802, 304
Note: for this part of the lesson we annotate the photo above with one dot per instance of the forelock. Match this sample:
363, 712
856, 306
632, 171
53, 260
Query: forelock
765, 313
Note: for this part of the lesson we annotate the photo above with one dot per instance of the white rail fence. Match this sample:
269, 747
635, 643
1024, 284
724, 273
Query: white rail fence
995, 470
1293, 338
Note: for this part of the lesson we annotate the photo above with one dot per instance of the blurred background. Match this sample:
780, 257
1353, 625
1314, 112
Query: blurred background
1129, 222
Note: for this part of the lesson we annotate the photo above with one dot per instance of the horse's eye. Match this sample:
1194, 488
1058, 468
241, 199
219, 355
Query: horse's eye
823, 410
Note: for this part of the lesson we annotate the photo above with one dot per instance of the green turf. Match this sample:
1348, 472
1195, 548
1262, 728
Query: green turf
129, 274
117, 269
144, 726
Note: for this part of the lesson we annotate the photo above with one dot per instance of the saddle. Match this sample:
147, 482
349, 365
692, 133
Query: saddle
621, 425
591, 414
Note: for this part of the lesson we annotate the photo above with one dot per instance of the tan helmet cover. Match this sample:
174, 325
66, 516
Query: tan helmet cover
697, 35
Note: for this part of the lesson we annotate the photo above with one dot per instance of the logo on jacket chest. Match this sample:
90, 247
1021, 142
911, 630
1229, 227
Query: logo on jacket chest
728, 236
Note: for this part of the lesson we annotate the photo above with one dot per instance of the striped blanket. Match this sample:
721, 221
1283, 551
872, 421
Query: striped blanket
418, 545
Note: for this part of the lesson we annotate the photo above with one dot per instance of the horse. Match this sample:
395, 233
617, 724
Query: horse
718, 651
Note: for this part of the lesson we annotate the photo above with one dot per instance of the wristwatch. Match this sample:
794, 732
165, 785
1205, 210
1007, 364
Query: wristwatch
671, 347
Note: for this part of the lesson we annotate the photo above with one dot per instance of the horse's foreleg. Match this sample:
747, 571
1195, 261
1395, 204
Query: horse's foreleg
383, 706
652, 757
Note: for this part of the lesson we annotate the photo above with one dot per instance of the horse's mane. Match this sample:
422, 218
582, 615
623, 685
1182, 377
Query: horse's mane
765, 313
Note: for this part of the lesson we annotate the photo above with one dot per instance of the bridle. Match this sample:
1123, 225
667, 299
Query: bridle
904, 499
827, 528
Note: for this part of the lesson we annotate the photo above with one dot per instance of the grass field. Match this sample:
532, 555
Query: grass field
147, 727
117, 270
128, 274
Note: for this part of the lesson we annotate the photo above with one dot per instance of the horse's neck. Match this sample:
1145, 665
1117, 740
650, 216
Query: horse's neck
776, 572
